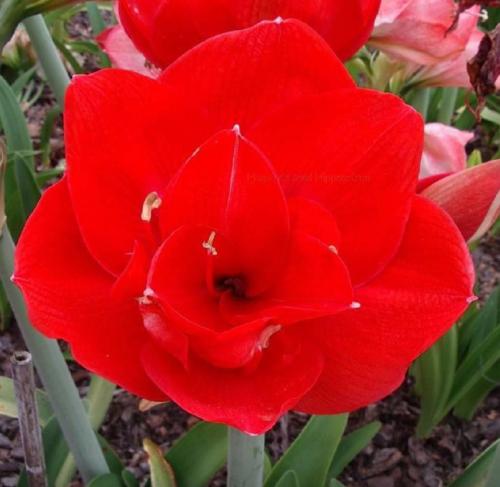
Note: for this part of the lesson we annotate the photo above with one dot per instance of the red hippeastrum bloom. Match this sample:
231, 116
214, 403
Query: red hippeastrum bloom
242, 235
164, 29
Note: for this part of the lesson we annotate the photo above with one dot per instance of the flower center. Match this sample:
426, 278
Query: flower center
235, 285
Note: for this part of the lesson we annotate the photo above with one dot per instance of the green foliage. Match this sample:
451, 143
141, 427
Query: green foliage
462, 368
199, 454
312, 453
8, 405
58, 459
476, 474
162, 474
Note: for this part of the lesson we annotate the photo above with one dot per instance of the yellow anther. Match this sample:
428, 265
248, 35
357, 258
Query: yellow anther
209, 244
152, 202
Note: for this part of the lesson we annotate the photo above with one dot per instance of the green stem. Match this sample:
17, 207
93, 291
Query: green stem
55, 376
421, 100
447, 107
95, 17
245, 461
99, 398
48, 56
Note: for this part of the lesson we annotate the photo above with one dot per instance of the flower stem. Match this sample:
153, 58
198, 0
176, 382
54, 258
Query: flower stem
447, 108
245, 462
421, 100
48, 56
95, 17
55, 376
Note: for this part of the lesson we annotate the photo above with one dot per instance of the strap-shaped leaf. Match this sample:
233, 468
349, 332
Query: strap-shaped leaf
311, 454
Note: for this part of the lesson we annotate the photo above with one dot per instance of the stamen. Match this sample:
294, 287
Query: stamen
152, 202
333, 249
355, 305
209, 244
266, 336
237, 129
146, 296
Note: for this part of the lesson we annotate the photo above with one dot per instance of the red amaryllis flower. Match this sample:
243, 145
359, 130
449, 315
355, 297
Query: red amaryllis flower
242, 235
164, 29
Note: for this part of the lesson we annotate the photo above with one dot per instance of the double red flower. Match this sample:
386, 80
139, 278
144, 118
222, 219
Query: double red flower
242, 235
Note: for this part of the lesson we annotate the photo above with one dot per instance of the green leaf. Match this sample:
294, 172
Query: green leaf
311, 454
8, 406
435, 372
475, 158
476, 474
288, 479
485, 321
350, 446
59, 461
468, 405
106, 480
335, 483
5, 311
22, 192
46, 132
199, 454
162, 474
473, 368
20, 83
490, 116
128, 479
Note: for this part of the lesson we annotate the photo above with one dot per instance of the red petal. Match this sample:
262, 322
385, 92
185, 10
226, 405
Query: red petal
122, 52
165, 30
250, 401
470, 197
69, 296
315, 283
356, 152
230, 187
178, 280
126, 135
403, 311
308, 216
239, 77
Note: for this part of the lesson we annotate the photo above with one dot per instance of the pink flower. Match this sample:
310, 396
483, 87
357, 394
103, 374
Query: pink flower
444, 150
452, 72
417, 30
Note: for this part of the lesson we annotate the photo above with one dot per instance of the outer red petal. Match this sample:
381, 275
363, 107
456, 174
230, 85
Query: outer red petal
229, 186
403, 311
69, 296
315, 283
471, 197
357, 153
126, 135
251, 401
166, 29
239, 77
